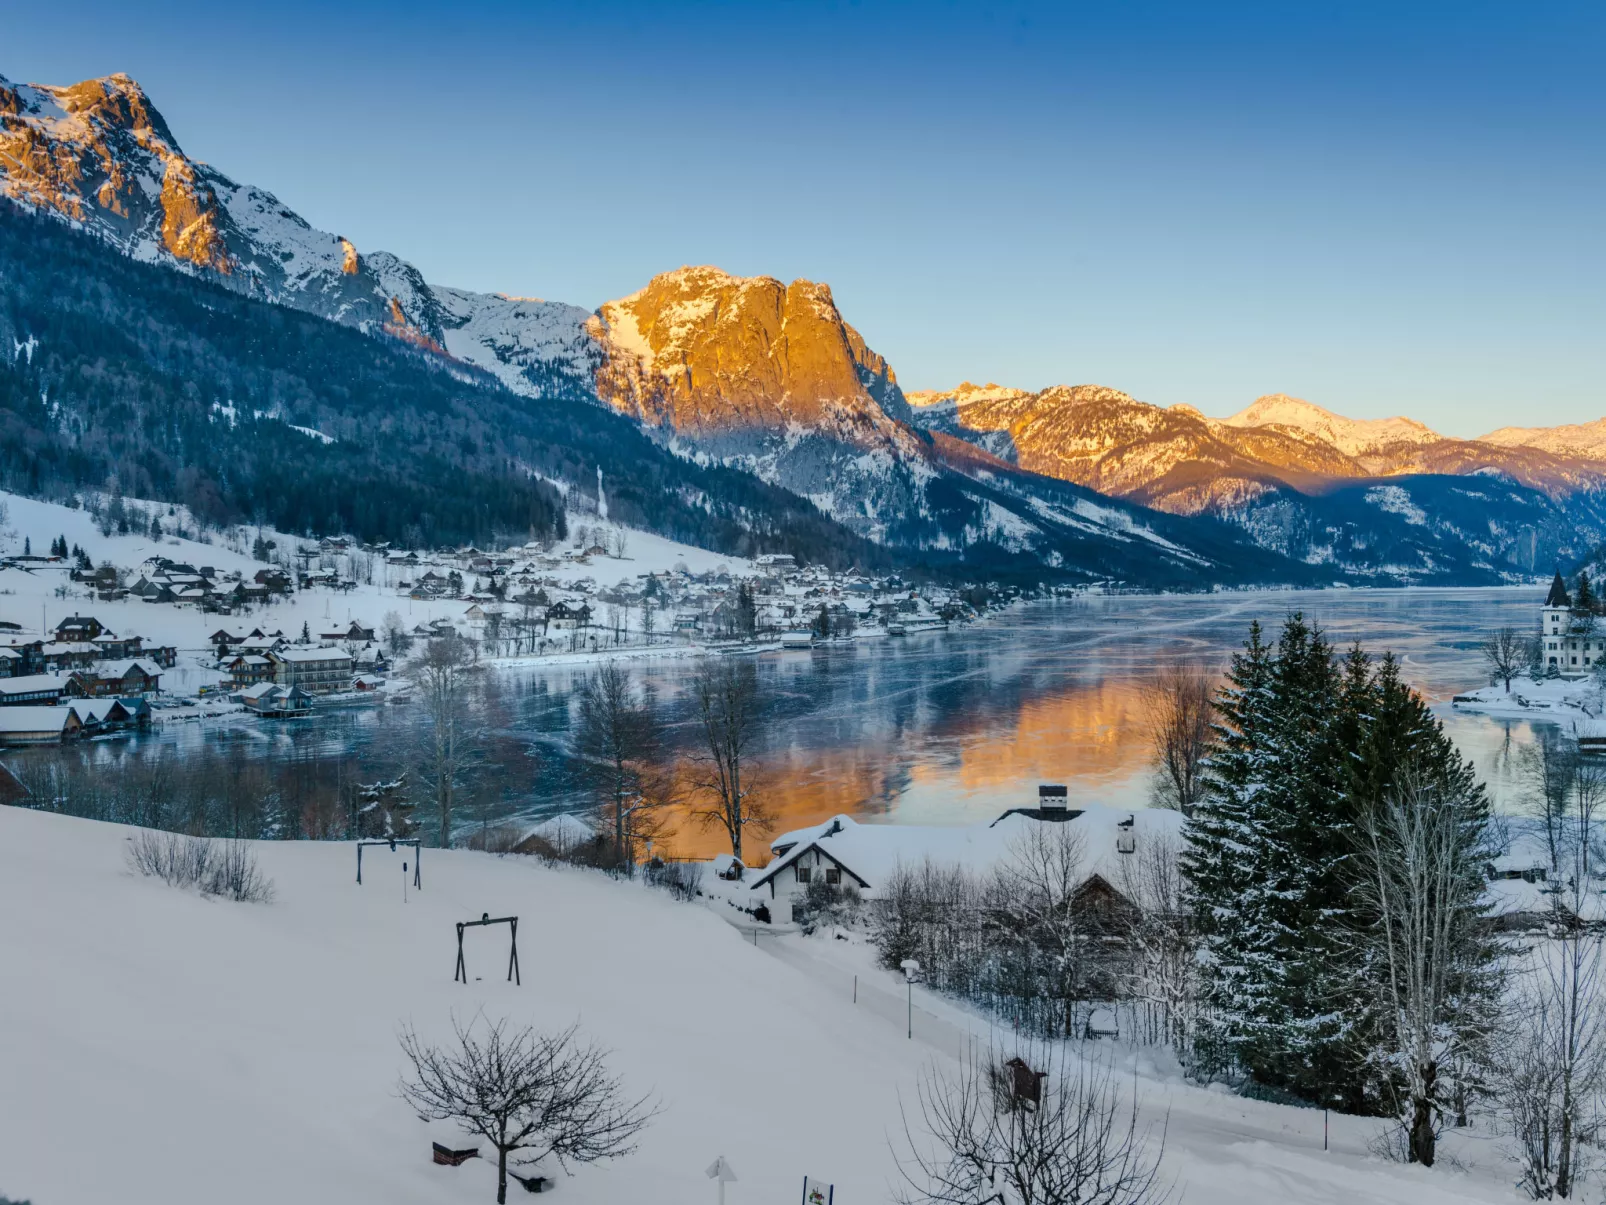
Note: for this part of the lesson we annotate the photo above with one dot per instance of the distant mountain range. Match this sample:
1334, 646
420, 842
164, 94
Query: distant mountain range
769, 379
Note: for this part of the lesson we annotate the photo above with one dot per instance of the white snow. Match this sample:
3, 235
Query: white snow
1396, 501
159, 1046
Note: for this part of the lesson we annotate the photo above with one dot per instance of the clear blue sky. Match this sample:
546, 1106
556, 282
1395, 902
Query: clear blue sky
1381, 207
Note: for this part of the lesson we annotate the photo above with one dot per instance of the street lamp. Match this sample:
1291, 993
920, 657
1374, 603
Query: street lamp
911, 969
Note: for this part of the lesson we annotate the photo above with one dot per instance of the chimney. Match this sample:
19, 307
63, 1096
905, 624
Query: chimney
1051, 797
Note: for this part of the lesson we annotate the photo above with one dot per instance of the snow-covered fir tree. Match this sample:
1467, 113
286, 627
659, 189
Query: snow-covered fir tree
1307, 747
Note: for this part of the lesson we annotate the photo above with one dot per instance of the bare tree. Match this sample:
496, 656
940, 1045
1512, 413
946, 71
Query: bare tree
394, 633
1420, 878
1035, 897
616, 738
525, 1091
1549, 767
1554, 1081
1164, 970
441, 673
1079, 1142
726, 694
1507, 652
1178, 713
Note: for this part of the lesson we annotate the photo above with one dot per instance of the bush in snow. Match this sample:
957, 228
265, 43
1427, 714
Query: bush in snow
828, 904
683, 880
224, 868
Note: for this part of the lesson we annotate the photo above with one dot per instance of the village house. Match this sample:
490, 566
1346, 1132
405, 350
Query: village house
316, 670
38, 725
114, 646
79, 629
57, 656
247, 669
563, 617
277, 701
97, 717
354, 633
32, 690
115, 678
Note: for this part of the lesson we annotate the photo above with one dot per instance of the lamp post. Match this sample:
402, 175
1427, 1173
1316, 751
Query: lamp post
911, 968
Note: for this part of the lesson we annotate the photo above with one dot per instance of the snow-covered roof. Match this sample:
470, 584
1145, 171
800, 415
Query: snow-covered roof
874, 851
120, 669
563, 830
308, 655
33, 719
28, 683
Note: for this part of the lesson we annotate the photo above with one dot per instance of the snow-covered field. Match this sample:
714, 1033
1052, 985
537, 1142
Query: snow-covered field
160, 1047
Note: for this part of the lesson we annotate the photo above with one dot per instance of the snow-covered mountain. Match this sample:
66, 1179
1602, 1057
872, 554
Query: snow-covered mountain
99, 154
1282, 469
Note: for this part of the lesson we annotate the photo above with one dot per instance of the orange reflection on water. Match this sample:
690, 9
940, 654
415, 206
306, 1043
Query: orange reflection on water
1087, 735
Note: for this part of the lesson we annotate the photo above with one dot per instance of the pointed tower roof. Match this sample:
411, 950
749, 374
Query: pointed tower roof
1558, 593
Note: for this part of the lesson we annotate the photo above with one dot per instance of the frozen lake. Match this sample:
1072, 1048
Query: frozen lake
938, 727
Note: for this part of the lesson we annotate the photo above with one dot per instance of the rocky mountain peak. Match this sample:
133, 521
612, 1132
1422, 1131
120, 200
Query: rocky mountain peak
99, 152
701, 350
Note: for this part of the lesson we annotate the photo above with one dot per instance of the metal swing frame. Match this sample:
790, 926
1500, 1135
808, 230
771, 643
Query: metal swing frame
461, 973
392, 843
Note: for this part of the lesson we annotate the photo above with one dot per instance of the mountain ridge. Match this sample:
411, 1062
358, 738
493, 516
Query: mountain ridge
770, 378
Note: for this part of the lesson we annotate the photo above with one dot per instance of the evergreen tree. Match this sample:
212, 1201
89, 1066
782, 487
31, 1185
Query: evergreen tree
1307, 749
27, 546
1220, 857
746, 610
1584, 601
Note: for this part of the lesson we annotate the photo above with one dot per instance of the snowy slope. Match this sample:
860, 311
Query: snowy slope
160, 1047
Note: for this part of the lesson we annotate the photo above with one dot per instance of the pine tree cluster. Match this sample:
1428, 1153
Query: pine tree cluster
1308, 744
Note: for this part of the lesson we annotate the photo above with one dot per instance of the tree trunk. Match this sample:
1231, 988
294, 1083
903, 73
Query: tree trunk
501, 1176
1421, 1137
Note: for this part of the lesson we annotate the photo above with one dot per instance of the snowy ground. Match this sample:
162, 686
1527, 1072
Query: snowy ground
159, 1047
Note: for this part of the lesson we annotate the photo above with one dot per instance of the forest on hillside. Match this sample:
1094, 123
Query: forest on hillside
141, 380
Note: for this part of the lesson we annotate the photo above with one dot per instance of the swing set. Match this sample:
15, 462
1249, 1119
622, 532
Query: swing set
393, 842
512, 922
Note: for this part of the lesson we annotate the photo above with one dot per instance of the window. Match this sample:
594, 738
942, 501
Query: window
804, 873
833, 876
